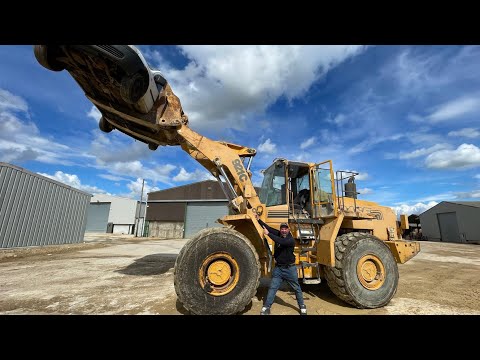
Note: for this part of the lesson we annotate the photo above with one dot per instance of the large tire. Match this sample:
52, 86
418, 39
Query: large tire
46, 56
104, 125
133, 87
365, 273
217, 272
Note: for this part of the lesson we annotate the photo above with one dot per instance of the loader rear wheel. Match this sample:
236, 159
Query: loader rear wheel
46, 56
365, 273
217, 272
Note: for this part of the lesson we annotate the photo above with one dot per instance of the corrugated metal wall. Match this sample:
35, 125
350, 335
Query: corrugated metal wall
35, 210
466, 226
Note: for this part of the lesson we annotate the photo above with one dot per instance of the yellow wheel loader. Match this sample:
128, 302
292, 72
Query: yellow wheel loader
354, 244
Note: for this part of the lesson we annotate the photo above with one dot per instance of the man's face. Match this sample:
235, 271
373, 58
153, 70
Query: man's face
284, 231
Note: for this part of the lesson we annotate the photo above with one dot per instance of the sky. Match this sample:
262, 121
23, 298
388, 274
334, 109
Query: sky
406, 118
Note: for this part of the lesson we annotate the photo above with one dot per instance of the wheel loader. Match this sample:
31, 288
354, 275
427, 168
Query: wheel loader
355, 245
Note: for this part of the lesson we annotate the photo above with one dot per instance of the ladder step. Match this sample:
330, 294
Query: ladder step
304, 250
312, 281
307, 264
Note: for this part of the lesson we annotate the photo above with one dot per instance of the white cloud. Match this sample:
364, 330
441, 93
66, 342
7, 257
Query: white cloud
454, 109
135, 188
475, 194
466, 132
365, 191
73, 181
423, 151
197, 175
226, 83
361, 175
112, 177
436, 197
11, 102
421, 73
477, 176
136, 169
417, 209
415, 118
339, 119
21, 140
372, 141
465, 156
116, 147
308, 142
94, 113
267, 147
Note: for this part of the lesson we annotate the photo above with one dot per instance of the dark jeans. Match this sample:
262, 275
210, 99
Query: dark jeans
289, 274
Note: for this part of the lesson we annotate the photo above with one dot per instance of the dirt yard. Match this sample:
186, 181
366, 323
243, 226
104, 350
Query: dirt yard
111, 274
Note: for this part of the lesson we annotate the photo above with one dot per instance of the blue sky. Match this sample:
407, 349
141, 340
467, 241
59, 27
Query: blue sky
405, 117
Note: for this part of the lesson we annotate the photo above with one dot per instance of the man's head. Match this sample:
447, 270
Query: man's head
284, 229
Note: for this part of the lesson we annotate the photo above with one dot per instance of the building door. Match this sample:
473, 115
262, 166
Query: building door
202, 215
448, 227
97, 217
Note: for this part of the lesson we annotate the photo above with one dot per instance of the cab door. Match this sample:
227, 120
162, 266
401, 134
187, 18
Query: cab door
324, 199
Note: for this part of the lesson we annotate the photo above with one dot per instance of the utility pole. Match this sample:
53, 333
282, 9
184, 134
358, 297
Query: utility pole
140, 209
144, 214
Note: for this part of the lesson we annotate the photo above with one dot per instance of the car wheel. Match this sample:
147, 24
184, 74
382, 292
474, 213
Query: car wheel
46, 56
133, 87
104, 125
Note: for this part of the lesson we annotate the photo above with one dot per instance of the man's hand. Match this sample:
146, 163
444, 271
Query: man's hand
265, 231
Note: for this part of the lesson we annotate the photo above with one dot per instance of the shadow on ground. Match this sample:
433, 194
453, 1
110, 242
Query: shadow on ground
154, 264
311, 292
323, 292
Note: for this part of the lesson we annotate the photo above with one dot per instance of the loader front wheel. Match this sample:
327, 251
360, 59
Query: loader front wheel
217, 272
365, 273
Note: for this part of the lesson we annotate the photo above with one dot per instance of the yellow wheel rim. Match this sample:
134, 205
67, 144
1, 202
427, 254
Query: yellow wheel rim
219, 274
371, 272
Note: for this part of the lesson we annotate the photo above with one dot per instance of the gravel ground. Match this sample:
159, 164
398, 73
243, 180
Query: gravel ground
118, 274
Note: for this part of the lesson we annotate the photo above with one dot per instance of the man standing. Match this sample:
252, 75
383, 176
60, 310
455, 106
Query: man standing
285, 268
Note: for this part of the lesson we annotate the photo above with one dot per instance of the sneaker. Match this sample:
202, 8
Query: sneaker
265, 311
303, 310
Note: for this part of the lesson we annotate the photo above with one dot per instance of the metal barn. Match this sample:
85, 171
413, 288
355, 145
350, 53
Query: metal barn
452, 221
36, 210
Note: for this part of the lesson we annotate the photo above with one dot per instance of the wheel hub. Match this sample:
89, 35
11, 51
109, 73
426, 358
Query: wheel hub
371, 272
219, 274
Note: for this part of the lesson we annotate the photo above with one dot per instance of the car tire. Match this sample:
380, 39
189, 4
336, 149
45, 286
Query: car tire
46, 56
104, 125
133, 87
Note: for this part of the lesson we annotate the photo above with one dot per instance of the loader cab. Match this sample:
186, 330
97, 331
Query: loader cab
299, 189
273, 190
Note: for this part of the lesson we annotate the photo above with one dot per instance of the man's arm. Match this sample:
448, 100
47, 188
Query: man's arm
269, 228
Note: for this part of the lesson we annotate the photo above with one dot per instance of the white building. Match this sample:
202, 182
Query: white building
114, 214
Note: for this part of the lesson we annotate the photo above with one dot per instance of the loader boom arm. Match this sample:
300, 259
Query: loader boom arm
225, 161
